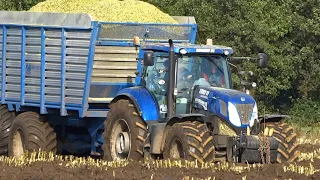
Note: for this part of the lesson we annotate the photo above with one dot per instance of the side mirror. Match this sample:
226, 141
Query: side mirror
148, 59
262, 60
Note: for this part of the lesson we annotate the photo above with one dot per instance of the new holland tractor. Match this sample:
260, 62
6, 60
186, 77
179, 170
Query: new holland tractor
200, 116
71, 85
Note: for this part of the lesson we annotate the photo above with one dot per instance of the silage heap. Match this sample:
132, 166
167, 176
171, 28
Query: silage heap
108, 10
119, 11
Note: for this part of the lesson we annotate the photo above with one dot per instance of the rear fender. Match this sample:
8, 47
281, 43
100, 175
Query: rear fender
143, 101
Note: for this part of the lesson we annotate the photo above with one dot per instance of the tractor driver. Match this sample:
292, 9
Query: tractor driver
213, 74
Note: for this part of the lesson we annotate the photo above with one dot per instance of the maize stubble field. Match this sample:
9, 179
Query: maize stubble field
41, 165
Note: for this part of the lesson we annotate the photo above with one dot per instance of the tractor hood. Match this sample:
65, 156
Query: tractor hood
237, 107
230, 95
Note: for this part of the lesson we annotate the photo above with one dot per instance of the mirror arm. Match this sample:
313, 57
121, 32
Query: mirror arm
262, 59
238, 71
233, 65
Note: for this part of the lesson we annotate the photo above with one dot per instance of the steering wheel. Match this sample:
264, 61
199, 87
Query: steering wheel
185, 91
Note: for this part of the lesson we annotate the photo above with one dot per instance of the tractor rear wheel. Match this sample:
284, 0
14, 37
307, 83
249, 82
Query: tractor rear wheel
190, 140
287, 139
6, 118
30, 131
125, 132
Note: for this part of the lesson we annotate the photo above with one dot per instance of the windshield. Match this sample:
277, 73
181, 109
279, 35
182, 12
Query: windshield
203, 70
206, 70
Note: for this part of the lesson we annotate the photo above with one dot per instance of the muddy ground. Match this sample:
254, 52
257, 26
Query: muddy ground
57, 170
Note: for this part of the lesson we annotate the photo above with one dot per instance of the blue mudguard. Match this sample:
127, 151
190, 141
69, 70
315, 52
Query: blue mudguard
143, 101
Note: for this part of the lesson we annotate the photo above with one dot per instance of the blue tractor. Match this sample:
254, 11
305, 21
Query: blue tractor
71, 85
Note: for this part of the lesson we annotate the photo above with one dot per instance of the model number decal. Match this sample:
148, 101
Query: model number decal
202, 103
204, 92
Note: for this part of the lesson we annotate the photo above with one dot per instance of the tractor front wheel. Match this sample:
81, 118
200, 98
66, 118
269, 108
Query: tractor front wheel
190, 141
286, 138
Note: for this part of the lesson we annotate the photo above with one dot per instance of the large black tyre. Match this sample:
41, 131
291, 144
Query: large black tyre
30, 131
123, 119
6, 118
287, 139
190, 140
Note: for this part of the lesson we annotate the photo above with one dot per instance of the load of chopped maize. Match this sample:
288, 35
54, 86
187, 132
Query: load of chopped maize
108, 10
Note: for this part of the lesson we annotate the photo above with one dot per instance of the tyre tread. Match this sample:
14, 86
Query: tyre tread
198, 137
6, 119
139, 124
40, 134
284, 135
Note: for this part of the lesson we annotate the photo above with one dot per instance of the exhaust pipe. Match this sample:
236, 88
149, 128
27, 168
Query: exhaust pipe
171, 82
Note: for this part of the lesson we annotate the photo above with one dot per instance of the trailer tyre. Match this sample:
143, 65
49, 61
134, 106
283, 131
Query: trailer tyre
190, 140
30, 131
125, 132
6, 118
287, 139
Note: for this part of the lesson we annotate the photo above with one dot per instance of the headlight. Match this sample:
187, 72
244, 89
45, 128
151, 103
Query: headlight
254, 114
183, 51
234, 115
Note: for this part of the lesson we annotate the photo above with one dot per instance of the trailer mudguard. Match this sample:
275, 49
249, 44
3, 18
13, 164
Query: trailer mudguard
143, 101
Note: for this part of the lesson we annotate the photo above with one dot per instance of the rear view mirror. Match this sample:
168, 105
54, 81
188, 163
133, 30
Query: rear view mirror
262, 60
148, 59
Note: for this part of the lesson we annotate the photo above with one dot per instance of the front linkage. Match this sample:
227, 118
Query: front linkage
271, 142
252, 149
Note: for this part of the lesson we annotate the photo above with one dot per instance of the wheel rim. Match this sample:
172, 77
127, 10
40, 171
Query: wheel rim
120, 140
176, 150
17, 145
123, 143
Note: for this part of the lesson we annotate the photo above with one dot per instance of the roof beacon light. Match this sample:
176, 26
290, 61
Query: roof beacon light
136, 40
183, 51
226, 52
209, 42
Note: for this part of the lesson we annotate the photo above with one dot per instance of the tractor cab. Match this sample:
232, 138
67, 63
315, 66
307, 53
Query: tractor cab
194, 65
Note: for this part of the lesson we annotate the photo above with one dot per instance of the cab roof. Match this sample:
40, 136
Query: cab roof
190, 48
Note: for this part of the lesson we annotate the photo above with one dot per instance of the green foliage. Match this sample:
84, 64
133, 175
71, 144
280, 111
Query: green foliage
305, 114
17, 5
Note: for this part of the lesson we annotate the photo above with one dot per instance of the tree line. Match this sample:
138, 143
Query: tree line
287, 30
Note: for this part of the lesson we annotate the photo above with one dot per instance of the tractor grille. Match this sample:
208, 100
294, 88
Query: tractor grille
245, 111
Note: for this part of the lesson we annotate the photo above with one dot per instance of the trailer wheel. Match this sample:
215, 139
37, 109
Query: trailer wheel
287, 139
190, 140
125, 132
6, 118
29, 131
